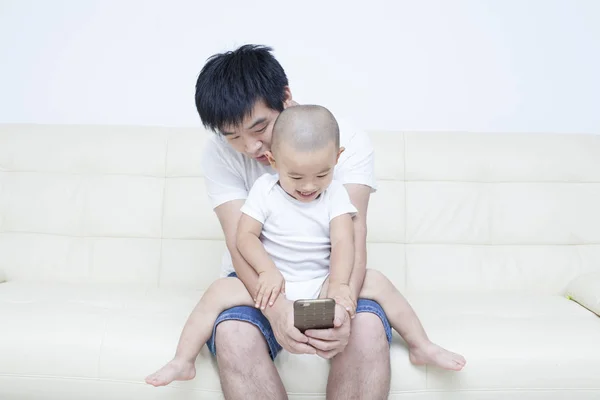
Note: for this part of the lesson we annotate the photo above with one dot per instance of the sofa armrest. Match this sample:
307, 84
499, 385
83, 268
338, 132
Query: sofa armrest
585, 290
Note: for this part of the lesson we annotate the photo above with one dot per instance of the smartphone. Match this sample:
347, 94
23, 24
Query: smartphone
314, 314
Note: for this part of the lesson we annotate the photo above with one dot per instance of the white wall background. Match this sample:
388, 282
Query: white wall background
504, 65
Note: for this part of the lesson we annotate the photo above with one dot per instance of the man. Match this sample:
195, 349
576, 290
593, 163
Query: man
239, 95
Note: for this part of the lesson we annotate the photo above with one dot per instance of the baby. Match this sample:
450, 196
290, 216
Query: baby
295, 225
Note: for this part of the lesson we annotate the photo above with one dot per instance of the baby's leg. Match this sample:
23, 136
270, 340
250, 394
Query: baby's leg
222, 294
323, 292
403, 319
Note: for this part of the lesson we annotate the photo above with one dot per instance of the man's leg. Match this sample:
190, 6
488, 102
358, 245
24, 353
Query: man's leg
362, 371
246, 369
222, 294
246, 349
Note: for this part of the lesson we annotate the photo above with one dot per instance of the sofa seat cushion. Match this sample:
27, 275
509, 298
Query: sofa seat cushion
118, 335
513, 341
585, 290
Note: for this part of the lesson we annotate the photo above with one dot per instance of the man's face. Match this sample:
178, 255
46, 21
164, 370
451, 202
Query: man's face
253, 136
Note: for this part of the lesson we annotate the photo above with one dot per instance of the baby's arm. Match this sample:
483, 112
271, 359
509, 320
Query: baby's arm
342, 249
270, 280
342, 261
341, 232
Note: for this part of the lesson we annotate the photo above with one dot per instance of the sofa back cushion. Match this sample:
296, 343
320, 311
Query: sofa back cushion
501, 212
453, 211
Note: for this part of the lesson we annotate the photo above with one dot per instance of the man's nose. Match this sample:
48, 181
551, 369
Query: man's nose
252, 146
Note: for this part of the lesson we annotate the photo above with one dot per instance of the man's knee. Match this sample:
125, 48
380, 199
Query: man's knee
368, 336
236, 340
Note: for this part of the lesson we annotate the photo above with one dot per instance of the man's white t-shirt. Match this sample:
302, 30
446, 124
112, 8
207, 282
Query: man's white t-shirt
296, 234
230, 175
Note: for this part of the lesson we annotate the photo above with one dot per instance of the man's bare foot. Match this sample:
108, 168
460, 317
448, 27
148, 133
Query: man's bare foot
175, 370
432, 354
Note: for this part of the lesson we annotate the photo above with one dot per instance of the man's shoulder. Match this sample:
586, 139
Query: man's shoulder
220, 159
349, 129
216, 147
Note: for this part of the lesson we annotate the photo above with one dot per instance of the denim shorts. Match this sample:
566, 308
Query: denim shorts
256, 318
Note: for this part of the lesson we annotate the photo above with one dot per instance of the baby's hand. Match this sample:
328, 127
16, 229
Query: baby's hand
342, 295
270, 284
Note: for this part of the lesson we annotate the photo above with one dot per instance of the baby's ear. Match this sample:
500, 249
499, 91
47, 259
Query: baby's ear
339, 154
270, 158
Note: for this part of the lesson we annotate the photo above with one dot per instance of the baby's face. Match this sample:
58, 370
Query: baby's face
305, 175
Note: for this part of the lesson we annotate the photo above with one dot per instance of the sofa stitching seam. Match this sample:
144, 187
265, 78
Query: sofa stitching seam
405, 216
162, 215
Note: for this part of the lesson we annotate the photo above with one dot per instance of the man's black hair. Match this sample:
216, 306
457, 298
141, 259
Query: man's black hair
231, 83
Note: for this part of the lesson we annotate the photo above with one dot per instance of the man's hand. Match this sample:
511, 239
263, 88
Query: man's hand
270, 285
330, 342
281, 317
343, 296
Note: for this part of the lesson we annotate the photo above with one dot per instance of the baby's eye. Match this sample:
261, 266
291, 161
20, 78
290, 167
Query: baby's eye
294, 178
322, 176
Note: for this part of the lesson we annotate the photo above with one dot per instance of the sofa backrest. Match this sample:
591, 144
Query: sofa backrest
454, 212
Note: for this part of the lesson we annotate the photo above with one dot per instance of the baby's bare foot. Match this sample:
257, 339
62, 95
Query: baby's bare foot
432, 354
175, 370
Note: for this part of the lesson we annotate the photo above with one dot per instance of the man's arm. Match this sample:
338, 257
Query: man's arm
229, 216
359, 196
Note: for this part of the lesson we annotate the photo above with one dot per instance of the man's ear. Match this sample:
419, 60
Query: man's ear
339, 154
287, 97
269, 156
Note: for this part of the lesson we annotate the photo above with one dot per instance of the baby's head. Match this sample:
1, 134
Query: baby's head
304, 150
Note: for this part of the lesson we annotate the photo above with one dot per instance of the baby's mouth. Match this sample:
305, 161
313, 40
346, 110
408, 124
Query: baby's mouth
306, 194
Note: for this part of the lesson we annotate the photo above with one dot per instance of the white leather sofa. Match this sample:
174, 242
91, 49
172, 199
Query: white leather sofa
107, 241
